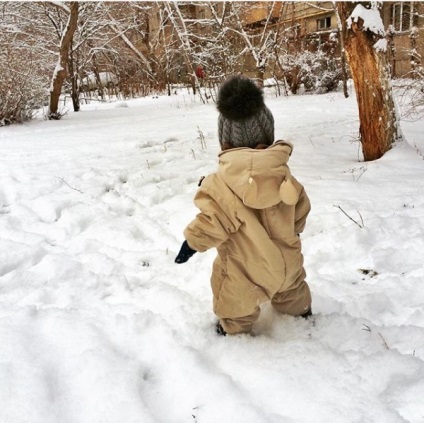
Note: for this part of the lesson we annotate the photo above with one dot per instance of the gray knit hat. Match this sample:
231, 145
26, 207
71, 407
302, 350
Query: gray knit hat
244, 120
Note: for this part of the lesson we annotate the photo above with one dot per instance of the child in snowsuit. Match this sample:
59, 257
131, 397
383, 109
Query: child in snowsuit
252, 210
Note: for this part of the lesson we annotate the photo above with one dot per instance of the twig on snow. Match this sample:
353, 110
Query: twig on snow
75, 189
361, 225
368, 329
385, 343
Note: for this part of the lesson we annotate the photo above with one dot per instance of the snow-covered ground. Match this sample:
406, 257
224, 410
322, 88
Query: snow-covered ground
99, 325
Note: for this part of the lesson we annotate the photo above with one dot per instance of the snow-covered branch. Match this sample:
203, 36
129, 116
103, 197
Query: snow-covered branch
121, 34
61, 5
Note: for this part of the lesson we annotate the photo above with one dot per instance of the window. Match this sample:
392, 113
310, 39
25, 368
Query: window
403, 17
324, 23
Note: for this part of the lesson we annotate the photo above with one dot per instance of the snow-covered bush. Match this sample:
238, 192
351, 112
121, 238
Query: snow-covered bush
21, 87
410, 94
107, 79
410, 89
315, 72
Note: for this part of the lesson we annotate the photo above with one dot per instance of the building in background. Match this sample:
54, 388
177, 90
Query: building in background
177, 33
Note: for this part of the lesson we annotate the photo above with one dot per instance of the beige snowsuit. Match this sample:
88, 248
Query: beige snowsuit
252, 211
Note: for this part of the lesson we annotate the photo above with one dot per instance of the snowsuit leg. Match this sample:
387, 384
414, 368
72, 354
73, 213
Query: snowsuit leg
236, 299
240, 324
296, 300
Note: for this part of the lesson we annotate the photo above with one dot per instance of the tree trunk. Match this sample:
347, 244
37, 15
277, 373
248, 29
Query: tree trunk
74, 82
342, 50
391, 52
371, 76
260, 75
62, 64
415, 57
97, 78
344, 71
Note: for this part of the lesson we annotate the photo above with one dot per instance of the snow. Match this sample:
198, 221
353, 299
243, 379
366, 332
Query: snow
58, 68
371, 18
99, 325
106, 78
62, 5
381, 45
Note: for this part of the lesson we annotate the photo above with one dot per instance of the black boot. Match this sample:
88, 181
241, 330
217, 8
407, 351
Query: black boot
307, 314
220, 330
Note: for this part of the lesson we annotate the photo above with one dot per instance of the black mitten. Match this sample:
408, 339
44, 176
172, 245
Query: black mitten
185, 253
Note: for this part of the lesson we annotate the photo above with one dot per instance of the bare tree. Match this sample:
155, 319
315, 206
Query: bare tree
365, 49
198, 43
342, 49
259, 38
178, 23
62, 65
121, 28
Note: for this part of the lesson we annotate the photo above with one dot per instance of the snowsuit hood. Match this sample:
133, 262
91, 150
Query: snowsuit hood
260, 178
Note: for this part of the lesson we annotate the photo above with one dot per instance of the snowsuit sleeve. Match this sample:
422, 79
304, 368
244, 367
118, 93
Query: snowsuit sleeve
215, 222
302, 208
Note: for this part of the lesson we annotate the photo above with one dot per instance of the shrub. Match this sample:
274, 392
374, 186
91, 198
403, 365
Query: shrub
315, 72
21, 87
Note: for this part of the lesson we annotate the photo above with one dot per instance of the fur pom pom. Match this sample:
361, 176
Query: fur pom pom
239, 98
